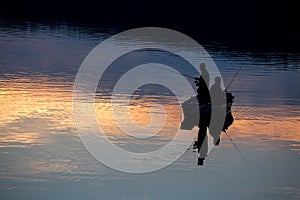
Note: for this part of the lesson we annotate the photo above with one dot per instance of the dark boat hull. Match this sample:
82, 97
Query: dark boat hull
192, 115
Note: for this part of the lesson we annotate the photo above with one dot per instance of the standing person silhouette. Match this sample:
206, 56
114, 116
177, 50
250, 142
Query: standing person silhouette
203, 82
204, 102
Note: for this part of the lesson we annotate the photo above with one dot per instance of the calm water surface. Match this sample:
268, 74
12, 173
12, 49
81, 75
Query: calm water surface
42, 156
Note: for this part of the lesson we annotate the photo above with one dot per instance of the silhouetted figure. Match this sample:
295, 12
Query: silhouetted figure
204, 102
202, 83
217, 91
219, 104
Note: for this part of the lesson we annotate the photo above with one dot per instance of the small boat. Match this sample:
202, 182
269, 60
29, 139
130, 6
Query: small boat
191, 112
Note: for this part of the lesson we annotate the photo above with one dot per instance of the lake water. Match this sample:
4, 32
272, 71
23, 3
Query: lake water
42, 156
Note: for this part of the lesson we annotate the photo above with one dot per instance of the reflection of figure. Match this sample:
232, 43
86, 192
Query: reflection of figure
204, 101
219, 102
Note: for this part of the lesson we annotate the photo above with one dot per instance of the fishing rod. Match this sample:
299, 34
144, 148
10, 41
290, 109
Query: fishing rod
235, 146
237, 72
188, 76
179, 73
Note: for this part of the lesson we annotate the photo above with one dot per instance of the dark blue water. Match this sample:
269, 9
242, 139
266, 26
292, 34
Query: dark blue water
42, 156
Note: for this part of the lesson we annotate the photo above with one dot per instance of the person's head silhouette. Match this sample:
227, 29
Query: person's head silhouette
218, 80
202, 66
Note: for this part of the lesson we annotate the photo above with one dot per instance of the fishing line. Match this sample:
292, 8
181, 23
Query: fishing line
233, 78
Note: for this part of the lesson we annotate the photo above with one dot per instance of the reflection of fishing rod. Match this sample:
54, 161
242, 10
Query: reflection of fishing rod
237, 72
235, 146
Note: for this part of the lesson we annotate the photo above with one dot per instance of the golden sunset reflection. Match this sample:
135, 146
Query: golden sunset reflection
258, 124
142, 113
281, 122
34, 108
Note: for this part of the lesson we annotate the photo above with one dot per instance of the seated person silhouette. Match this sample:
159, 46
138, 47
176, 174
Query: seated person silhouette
219, 103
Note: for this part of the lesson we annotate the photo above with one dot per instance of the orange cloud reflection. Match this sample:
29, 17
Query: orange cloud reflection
34, 107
